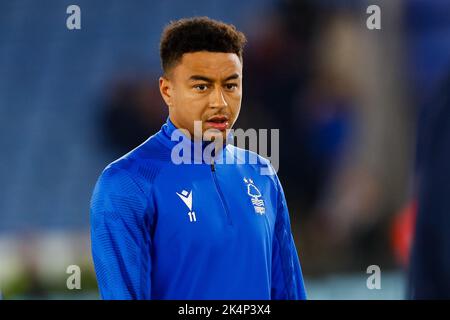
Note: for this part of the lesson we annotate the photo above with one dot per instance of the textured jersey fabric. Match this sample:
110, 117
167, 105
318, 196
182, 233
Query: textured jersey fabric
161, 230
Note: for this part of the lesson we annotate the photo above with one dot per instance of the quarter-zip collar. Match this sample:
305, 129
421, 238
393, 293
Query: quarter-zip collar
201, 151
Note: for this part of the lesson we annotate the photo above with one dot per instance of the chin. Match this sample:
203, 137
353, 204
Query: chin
210, 136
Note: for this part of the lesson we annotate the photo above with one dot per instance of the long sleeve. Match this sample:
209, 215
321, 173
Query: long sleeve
120, 237
287, 278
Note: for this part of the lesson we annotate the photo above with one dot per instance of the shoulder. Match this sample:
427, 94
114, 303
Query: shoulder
258, 163
247, 156
135, 171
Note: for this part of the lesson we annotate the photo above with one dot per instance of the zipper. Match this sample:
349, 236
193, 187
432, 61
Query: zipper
219, 191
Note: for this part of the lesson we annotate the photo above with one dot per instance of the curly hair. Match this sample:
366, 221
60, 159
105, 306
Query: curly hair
198, 34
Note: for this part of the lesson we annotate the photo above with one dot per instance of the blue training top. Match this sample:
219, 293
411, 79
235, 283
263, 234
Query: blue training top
212, 230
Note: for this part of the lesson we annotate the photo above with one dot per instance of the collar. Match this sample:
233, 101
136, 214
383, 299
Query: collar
200, 151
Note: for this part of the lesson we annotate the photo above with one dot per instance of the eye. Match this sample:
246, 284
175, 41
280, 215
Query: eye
231, 86
201, 87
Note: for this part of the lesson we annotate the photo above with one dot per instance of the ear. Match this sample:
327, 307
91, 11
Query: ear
165, 87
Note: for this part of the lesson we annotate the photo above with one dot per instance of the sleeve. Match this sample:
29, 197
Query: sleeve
287, 278
120, 237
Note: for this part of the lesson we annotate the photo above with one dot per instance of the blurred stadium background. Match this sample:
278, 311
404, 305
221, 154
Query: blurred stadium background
345, 99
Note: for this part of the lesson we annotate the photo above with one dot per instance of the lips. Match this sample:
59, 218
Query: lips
219, 122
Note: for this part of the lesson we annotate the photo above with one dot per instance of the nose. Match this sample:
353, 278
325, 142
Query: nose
217, 99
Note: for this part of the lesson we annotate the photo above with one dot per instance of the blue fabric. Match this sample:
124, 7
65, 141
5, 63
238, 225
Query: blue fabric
149, 243
429, 273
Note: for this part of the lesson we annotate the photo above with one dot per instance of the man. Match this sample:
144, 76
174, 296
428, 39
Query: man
200, 229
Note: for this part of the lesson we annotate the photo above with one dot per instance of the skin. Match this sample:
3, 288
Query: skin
202, 85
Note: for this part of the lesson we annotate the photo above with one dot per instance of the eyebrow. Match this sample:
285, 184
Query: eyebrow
203, 78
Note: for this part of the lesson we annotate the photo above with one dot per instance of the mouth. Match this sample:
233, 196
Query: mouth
219, 122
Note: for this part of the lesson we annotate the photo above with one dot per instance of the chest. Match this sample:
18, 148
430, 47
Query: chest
198, 206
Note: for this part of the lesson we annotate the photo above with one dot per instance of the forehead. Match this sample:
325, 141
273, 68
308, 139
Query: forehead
210, 64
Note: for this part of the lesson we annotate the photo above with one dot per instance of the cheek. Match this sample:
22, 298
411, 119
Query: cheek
186, 101
235, 103
192, 107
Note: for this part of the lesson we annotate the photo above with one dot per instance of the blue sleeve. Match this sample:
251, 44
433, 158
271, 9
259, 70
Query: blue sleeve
287, 278
120, 237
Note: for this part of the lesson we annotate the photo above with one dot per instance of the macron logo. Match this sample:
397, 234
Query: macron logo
187, 198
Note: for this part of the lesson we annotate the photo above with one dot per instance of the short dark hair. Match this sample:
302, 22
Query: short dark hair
198, 34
